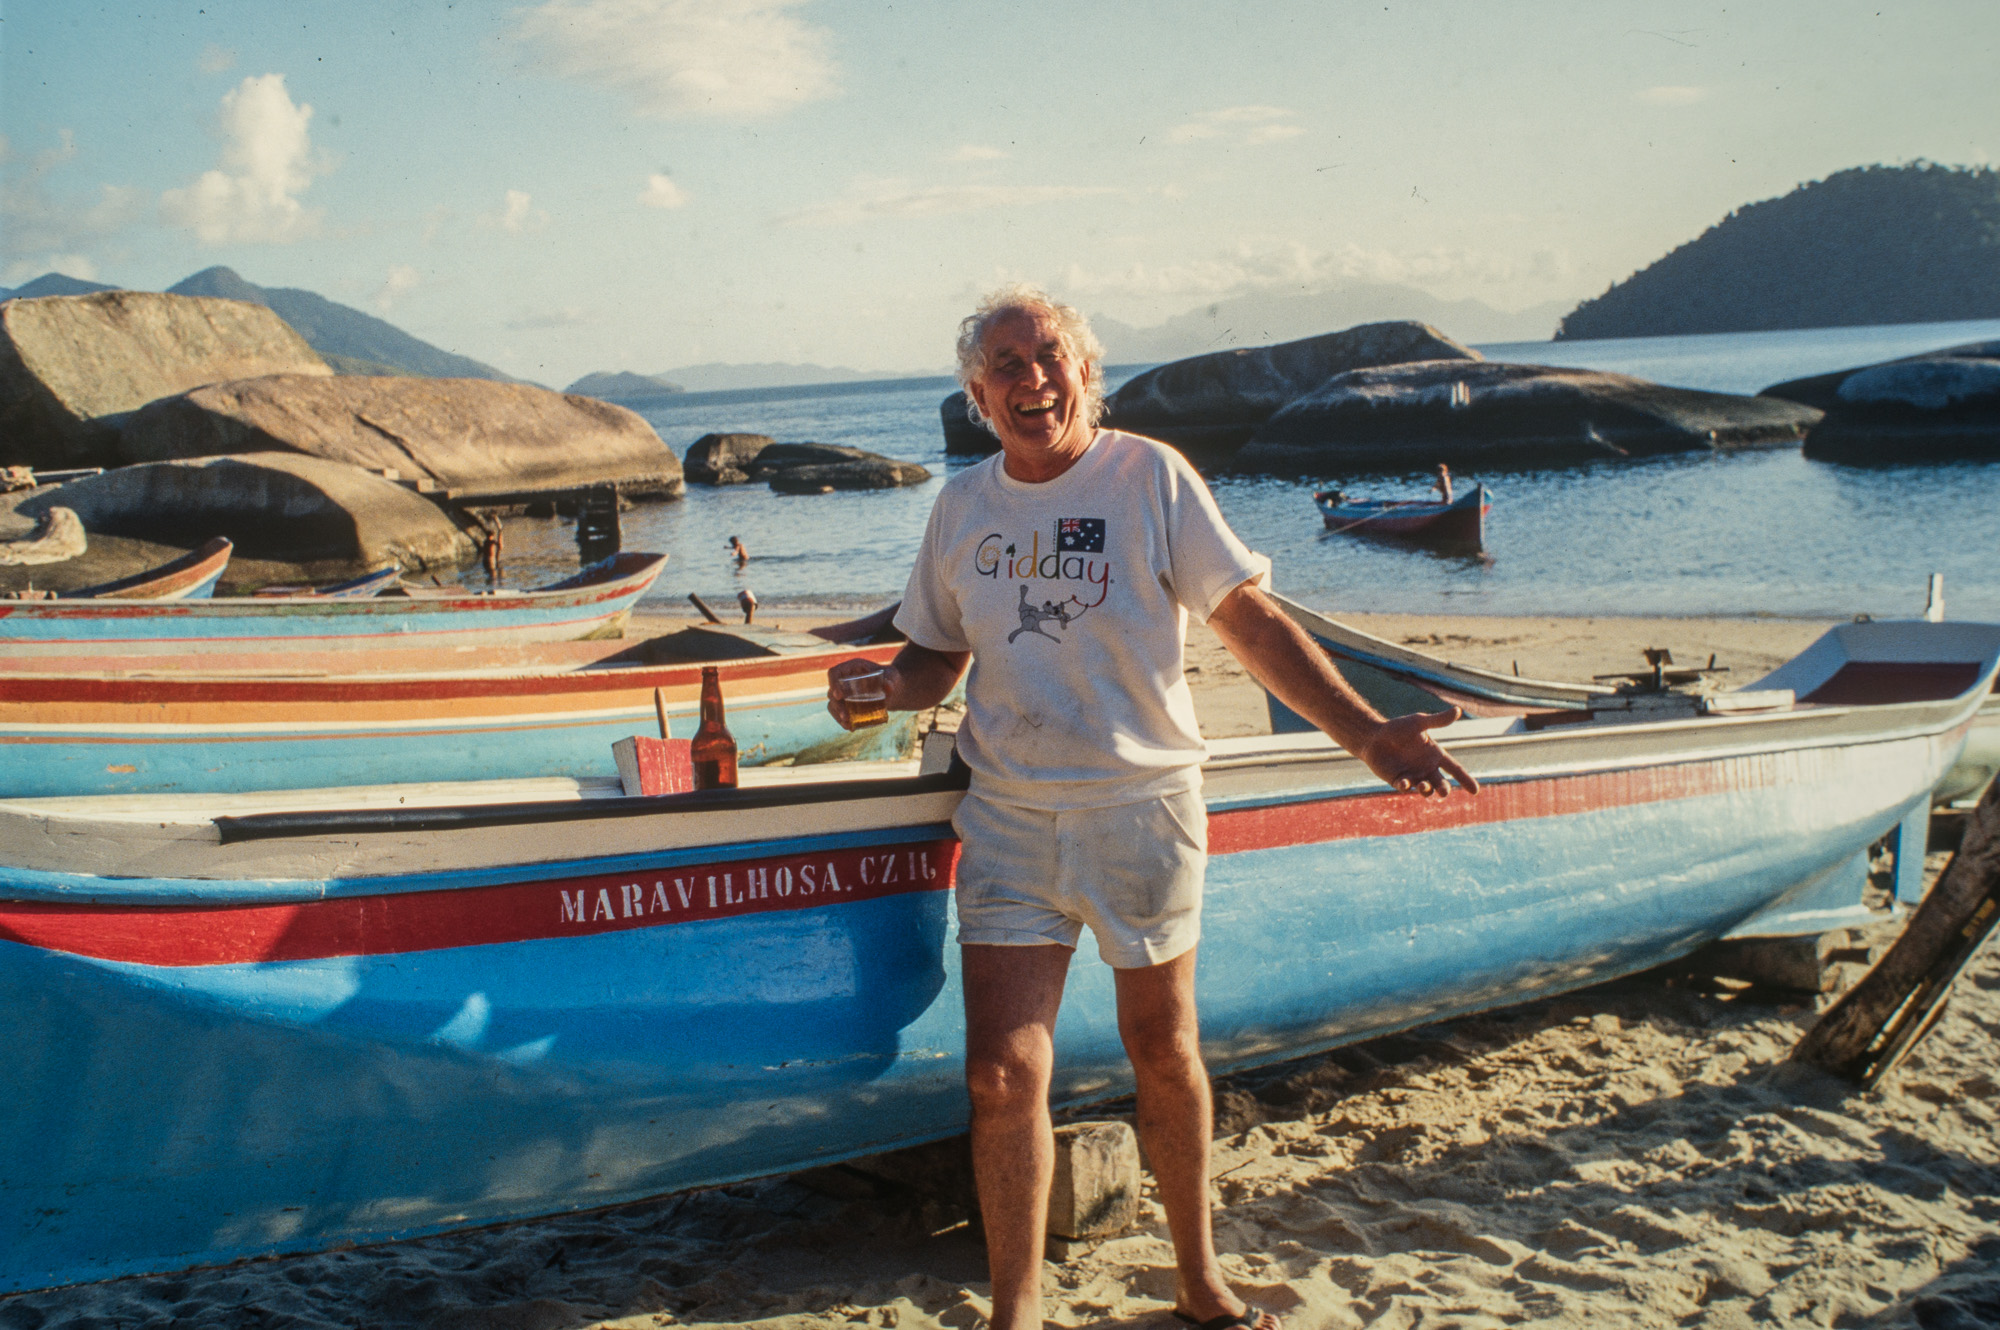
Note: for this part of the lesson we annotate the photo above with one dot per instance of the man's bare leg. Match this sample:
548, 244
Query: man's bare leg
1011, 997
1156, 1018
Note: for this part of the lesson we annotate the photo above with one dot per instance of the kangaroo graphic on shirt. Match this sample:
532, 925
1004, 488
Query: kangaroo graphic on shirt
1034, 616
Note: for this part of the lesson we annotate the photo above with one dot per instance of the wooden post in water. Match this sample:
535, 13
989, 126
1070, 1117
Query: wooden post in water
1876, 1023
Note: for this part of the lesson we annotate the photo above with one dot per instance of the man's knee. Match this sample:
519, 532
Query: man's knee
1007, 1083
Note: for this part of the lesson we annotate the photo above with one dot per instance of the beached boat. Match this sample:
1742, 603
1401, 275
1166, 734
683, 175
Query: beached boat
371, 583
144, 724
241, 1024
191, 577
594, 602
1457, 525
1399, 680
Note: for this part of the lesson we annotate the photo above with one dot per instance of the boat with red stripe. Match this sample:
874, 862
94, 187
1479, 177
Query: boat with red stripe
263, 1022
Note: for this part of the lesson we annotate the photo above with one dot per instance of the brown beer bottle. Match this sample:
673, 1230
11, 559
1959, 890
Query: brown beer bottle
713, 751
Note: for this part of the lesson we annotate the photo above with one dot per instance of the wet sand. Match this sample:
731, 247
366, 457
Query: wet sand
1636, 1154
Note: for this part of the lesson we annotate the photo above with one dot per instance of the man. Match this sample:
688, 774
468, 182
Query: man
1064, 569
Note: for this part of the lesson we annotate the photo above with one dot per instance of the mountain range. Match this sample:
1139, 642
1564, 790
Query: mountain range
348, 340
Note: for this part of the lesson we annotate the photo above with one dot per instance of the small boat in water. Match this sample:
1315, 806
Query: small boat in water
595, 602
243, 1024
1458, 525
191, 577
371, 583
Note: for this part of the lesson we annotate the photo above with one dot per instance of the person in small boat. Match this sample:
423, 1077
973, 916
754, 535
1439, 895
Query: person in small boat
1443, 482
1085, 803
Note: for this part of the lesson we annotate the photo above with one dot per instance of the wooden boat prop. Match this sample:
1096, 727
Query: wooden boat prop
190, 577
256, 1023
594, 602
1399, 680
1457, 525
143, 724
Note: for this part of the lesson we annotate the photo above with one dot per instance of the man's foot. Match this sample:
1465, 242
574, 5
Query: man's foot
1250, 1318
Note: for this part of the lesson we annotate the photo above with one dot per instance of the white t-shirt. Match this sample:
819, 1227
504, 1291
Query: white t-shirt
1072, 596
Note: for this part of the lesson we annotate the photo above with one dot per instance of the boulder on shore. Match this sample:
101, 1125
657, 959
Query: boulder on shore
1823, 390
962, 438
472, 437
1209, 405
1410, 417
274, 505
733, 459
1942, 408
71, 367
58, 537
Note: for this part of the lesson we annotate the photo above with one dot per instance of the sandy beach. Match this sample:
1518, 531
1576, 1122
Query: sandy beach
1636, 1154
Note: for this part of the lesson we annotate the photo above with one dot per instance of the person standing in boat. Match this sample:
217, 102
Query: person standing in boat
1443, 483
1085, 802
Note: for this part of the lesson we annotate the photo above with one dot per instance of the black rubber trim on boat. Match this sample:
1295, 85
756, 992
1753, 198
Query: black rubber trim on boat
360, 821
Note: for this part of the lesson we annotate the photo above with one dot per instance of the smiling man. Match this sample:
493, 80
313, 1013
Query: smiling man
1064, 569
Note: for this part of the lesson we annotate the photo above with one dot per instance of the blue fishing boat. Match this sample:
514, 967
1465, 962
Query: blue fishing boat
244, 1024
371, 583
594, 602
1457, 525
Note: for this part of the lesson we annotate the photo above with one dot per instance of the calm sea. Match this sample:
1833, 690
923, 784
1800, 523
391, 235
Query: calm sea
1750, 533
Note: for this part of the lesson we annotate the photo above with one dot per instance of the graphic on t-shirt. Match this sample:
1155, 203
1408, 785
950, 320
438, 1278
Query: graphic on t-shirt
1034, 616
1080, 535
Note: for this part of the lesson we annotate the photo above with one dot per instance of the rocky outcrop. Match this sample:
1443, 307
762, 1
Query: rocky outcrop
795, 468
868, 472
1823, 390
962, 438
58, 537
724, 459
72, 367
1410, 417
1943, 408
274, 505
1208, 406
472, 437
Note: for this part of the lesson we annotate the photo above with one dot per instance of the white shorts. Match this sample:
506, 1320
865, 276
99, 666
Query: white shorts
1132, 872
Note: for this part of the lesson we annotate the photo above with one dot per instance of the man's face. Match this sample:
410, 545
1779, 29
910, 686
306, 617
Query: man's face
1032, 387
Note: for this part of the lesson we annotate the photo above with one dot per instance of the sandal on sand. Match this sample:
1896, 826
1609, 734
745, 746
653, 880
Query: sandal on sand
1247, 1319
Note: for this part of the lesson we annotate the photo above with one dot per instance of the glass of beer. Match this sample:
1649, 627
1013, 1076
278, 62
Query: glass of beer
866, 698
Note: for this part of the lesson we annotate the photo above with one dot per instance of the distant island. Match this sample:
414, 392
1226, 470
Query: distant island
623, 386
348, 340
1874, 244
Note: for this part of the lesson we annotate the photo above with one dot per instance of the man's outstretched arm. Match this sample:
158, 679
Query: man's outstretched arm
1284, 660
918, 679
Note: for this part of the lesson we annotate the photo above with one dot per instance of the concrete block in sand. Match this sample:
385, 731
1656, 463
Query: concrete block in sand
71, 367
1410, 417
280, 506
473, 437
1097, 1184
1209, 405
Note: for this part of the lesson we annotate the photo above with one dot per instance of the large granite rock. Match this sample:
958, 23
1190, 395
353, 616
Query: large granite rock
861, 473
58, 537
1207, 406
1823, 390
1945, 408
273, 505
1410, 417
962, 438
723, 459
473, 437
72, 367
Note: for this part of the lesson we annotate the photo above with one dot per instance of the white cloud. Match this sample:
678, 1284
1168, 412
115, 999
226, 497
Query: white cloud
215, 59
402, 280
729, 59
1671, 96
976, 152
1248, 124
70, 265
662, 192
48, 233
267, 161
873, 199
518, 214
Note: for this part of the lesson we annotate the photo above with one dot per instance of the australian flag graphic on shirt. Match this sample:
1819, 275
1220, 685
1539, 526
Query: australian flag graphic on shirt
1080, 535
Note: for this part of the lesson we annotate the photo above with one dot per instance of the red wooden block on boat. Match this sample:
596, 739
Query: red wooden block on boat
654, 766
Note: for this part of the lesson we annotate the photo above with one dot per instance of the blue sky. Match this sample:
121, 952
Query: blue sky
638, 184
